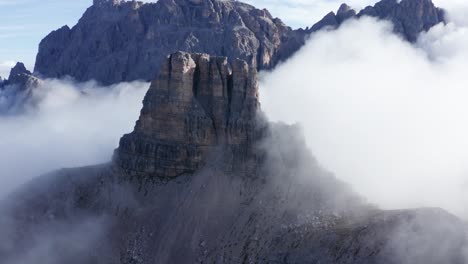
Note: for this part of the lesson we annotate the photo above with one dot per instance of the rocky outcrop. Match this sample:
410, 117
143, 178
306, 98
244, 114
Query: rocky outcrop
409, 17
198, 102
119, 41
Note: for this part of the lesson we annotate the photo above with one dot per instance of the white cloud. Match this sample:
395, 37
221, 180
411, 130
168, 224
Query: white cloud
73, 125
304, 13
385, 116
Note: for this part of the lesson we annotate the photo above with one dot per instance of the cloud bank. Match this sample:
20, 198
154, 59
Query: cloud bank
71, 125
387, 117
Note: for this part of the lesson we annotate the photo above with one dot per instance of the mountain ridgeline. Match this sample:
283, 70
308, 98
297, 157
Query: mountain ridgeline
119, 41
204, 178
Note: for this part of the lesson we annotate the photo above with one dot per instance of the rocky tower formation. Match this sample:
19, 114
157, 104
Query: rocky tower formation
198, 102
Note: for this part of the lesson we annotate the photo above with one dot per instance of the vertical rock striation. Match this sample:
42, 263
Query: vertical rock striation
198, 103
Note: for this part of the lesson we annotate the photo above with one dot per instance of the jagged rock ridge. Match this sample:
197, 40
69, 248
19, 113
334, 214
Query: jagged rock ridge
118, 41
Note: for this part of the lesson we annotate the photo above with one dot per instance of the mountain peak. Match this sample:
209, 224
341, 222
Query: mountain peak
21, 76
130, 42
17, 70
344, 8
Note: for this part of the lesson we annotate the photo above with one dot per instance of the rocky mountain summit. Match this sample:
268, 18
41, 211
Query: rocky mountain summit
119, 41
204, 178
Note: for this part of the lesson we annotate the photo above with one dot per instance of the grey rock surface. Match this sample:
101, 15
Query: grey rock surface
119, 41
125, 41
158, 203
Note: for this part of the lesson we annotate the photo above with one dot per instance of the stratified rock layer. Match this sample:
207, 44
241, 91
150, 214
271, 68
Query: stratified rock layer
197, 103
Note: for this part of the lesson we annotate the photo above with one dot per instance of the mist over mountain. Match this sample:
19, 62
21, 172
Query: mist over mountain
222, 185
205, 176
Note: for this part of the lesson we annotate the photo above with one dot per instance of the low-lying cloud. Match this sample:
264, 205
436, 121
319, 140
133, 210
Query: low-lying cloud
70, 125
386, 116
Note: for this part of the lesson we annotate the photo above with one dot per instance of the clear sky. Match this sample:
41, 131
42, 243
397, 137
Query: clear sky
23, 23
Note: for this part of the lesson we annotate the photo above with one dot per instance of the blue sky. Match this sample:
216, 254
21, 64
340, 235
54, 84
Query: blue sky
23, 23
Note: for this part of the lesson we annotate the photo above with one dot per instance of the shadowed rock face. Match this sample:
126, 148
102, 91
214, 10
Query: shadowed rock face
197, 103
119, 41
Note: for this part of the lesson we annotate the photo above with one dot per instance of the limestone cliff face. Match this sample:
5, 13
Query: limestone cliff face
197, 103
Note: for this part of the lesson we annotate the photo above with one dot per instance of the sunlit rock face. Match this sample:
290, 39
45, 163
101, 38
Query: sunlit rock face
125, 41
197, 103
